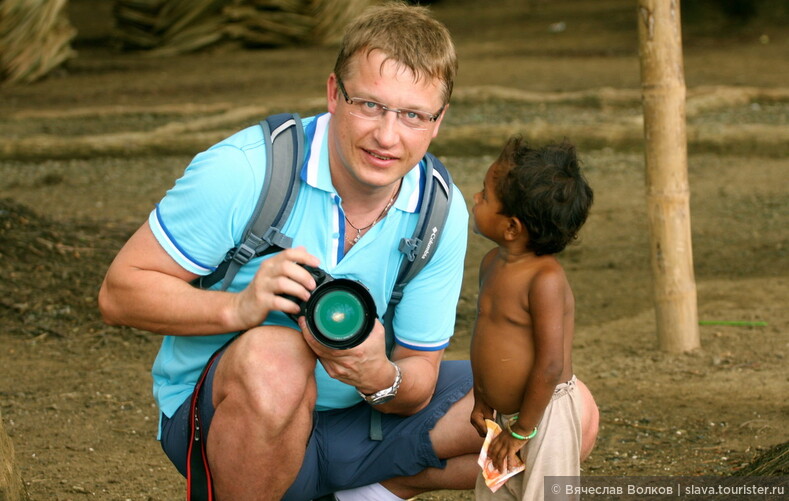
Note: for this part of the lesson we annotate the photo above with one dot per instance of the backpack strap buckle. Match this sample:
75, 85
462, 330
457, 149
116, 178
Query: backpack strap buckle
408, 247
244, 253
275, 238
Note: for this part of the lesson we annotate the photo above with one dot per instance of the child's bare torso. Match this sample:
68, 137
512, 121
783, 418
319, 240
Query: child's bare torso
502, 346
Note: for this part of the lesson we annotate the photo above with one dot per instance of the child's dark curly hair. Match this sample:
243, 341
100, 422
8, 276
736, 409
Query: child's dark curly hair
545, 190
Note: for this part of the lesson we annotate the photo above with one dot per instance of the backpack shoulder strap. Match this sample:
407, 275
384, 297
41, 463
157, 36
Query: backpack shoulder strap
417, 250
284, 139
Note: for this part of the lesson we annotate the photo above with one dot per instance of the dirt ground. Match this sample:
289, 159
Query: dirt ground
86, 153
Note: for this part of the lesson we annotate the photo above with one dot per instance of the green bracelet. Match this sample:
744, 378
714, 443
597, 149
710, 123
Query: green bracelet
519, 436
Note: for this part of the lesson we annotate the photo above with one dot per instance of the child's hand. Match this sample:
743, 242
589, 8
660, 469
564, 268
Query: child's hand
503, 451
479, 414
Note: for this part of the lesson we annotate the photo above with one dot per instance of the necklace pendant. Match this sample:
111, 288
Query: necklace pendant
357, 237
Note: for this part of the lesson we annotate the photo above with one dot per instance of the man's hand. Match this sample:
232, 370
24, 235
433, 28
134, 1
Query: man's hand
368, 368
364, 366
278, 275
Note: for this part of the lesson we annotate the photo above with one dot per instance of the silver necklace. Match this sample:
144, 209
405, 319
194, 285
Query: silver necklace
380, 216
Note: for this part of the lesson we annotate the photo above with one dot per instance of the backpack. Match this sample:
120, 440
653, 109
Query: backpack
284, 139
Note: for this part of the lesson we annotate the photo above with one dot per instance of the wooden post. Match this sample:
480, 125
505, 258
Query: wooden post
668, 194
11, 486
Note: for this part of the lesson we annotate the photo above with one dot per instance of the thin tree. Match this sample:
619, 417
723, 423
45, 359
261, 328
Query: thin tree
667, 189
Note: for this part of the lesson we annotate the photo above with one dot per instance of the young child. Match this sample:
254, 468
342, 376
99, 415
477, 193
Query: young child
532, 204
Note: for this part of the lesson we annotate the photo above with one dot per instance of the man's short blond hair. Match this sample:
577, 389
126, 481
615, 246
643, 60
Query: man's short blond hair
407, 35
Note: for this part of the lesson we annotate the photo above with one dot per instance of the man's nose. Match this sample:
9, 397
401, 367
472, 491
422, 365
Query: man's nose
387, 132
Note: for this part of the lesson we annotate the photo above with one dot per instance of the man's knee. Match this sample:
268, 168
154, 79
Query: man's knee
590, 421
269, 371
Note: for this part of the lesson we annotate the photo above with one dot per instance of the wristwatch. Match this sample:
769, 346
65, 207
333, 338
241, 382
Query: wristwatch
387, 394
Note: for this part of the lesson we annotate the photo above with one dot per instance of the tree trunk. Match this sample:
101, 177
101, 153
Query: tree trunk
668, 204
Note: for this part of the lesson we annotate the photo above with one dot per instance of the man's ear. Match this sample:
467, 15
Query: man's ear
439, 120
332, 92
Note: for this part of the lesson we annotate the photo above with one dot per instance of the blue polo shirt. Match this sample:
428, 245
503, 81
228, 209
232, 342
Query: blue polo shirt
207, 209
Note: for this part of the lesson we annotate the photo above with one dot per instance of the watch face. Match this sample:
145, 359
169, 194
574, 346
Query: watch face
387, 394
380, 397
381, 400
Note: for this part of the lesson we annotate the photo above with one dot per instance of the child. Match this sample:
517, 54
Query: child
532, 204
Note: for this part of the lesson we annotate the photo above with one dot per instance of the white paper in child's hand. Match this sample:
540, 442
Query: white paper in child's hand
493, 477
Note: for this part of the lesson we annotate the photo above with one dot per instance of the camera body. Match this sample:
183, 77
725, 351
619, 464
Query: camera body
340, 312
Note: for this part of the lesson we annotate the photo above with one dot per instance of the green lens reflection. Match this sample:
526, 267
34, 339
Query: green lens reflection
339, 315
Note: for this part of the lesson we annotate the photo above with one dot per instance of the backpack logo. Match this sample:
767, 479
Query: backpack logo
430, 242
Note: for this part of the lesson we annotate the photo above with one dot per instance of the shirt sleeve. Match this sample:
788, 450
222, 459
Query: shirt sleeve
425, 318
202, 216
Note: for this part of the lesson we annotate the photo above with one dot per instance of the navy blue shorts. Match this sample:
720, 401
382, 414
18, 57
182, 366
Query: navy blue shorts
340, 453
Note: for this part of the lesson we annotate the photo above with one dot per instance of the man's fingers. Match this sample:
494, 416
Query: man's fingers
299, 255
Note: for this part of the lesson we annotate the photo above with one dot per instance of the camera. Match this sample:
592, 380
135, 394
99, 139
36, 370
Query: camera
340, 312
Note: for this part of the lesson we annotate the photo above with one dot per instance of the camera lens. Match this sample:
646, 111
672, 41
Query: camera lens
340, 313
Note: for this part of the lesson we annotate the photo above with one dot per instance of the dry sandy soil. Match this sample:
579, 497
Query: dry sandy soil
86, 153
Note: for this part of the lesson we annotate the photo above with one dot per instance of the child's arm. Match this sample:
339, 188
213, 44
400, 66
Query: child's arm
547, 310
482, 410
480, 413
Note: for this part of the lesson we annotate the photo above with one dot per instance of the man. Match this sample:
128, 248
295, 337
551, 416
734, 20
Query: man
285, 416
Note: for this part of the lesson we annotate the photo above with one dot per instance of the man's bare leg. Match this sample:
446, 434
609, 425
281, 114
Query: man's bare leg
455, 440
453, 436
264, 393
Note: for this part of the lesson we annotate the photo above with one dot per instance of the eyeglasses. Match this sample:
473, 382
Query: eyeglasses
371, 110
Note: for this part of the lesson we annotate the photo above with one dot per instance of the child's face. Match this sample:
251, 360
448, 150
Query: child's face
488, 219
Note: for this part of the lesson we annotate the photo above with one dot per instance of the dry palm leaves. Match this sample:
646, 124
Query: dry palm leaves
773, 462
35, 37
178, 26
184, 25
